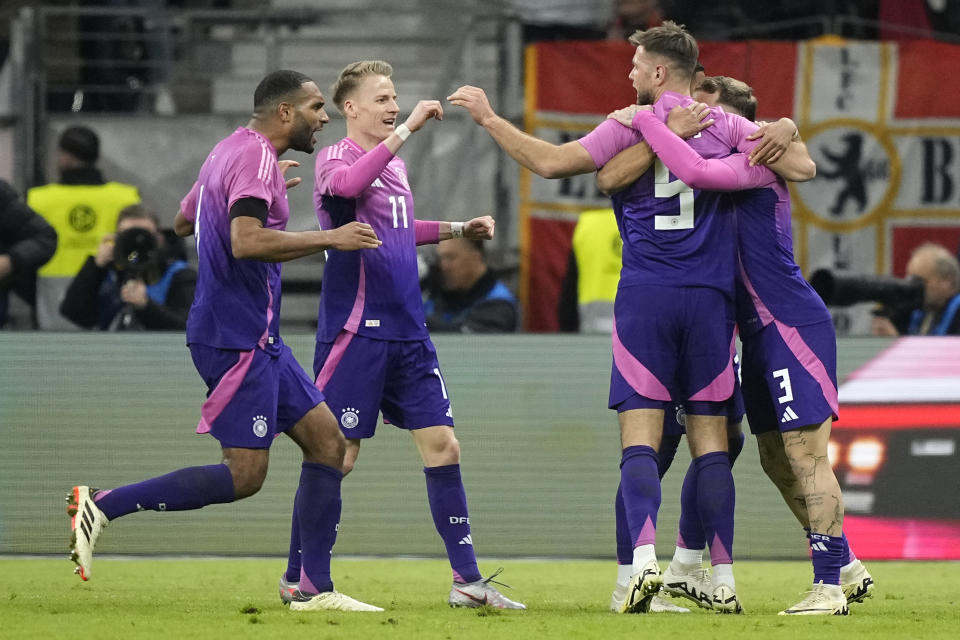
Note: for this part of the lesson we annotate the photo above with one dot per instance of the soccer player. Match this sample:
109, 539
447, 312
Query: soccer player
237, 210
679, 260
373, 352
789, 346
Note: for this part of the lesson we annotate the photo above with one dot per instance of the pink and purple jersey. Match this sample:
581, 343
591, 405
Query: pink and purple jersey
373, 293
673, 234
769, 283
237, 302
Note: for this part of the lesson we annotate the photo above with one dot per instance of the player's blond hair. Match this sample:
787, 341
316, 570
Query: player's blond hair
353, 74
671, 41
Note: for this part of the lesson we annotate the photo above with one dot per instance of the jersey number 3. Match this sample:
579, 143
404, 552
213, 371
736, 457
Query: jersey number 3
664, 188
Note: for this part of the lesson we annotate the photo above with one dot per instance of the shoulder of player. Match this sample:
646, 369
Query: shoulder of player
344, 149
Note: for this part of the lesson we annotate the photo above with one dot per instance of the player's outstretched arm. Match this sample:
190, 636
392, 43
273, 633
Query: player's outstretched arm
434, 231
250, 240
543, 158
338, 178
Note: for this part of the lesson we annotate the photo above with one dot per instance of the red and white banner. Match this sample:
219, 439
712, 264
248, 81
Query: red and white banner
878, 118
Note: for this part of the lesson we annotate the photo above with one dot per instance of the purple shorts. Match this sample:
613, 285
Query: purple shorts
789, 376
672, 345
251, 396
361, 377
675, 416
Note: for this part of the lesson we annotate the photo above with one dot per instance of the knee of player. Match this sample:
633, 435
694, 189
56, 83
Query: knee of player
248, 480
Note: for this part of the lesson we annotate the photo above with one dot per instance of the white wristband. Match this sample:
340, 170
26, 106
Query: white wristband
402, 131
456, 229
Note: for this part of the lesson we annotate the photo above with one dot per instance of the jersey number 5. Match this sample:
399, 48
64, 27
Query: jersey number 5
664, 188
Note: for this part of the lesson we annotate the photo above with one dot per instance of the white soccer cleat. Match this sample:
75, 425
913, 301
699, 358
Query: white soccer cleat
823, 600
690, 581
328, 601
287, 589
617, 597
644, 585
481, 594
725, 599
856, 582
86, 523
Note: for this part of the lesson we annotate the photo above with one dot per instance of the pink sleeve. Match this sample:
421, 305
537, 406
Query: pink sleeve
740, 128
349, 180
426, 231
733, 173
245, 177
188, 206
607, 140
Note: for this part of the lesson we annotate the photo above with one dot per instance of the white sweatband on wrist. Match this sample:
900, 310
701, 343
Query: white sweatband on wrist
456, 229
402, 131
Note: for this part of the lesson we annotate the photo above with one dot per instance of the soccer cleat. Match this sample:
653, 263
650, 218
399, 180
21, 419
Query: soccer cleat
690, 581
823, 600
86, 523
725, 599
856, 582
644, 585
657, 604
481, 593
327, 601
287, 589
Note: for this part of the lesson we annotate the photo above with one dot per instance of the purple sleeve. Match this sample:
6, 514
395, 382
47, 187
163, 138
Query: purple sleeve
349, 180
732, 173
426, 231
607, 140
188, 206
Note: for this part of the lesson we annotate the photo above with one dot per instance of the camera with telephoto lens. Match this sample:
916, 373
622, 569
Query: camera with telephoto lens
136, 256
842, 289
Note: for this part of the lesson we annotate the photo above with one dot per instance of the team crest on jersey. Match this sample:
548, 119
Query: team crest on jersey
402, 176
349, 418
259, 426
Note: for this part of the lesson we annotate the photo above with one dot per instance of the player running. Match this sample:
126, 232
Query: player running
238, 210
373, 352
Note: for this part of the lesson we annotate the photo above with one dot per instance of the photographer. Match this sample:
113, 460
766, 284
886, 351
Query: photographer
132, 282
940, 313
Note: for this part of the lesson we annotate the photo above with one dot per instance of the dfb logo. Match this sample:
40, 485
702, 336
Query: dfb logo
459, 520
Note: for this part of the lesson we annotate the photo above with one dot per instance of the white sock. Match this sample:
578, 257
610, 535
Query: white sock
847, 567
624, 571
642, 555
688, 556
723, 574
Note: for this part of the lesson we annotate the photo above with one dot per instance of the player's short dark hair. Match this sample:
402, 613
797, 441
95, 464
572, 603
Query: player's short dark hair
734, 94
671, 41
353, 74
278, 87
138, 212
80, 142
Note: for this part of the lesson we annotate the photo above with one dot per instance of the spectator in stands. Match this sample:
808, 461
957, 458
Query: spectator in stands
593, 272
81, 207
131, 282
630, 16
26, 242
472, 299
940, 313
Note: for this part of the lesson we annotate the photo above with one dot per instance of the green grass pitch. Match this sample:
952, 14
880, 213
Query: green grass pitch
237, 598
